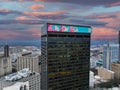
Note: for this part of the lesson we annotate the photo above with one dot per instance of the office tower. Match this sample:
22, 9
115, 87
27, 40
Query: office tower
30, 61
6, 51
65, 56
110, 54
22, 80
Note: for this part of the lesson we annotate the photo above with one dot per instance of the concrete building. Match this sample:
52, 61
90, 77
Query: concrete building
30, 61
22, 80
105, 73
5, 65
5, 62
110, 54
116, 68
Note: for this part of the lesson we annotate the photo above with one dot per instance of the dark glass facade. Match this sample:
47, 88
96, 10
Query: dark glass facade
6, 51
65, 61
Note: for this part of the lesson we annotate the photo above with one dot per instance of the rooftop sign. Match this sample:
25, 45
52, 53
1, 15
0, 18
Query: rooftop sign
69, 28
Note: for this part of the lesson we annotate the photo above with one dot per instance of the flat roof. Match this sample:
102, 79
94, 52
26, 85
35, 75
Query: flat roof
70, 24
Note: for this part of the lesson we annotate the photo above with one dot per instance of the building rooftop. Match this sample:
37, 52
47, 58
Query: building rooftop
21, 75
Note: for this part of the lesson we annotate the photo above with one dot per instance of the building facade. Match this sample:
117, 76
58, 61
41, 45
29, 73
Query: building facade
106, 74
28, 61
116, 68
5, 65
65, 57
110, 54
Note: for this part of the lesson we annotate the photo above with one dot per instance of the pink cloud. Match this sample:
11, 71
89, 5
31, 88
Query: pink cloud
36, 7
7, 34
113, 22
35, 31
115, 4
103, 33
53, 13
22, 18
5, 10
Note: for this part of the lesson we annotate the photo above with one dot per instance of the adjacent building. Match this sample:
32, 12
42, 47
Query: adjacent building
21, 80
106, 74
91, 79
116, 68
65, 57
110, 54
30, 61
5, 65
5, 62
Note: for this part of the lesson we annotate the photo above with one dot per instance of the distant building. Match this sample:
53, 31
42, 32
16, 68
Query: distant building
28, 61
95, 61
65, 56
116, 68
5, 65
105, 73
110, 54
96, 57
91, 77
6, 51
22, 80
119, 43
5, 62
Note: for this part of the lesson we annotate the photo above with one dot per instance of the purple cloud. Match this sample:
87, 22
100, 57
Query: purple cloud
106, 3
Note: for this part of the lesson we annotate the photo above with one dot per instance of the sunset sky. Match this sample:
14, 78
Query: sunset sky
23, 19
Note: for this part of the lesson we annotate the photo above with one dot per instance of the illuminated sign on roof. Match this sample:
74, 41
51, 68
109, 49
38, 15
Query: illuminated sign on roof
68, 28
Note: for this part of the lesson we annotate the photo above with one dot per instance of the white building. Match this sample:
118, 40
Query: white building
91, 79
110, 54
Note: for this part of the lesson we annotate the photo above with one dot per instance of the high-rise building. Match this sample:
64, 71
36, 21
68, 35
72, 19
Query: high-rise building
6, 51
65, 56
110, 54
30, 61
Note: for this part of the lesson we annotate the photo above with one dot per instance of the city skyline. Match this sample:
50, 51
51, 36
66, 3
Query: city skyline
23, 19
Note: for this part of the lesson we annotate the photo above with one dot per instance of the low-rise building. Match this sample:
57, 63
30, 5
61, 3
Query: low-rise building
105, 73
116, 68
22, 80
5, 65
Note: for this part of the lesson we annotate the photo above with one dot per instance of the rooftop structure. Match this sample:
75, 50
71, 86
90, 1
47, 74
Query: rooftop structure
23, 77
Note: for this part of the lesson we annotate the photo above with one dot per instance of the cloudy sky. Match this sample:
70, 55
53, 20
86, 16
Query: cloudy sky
23, 19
